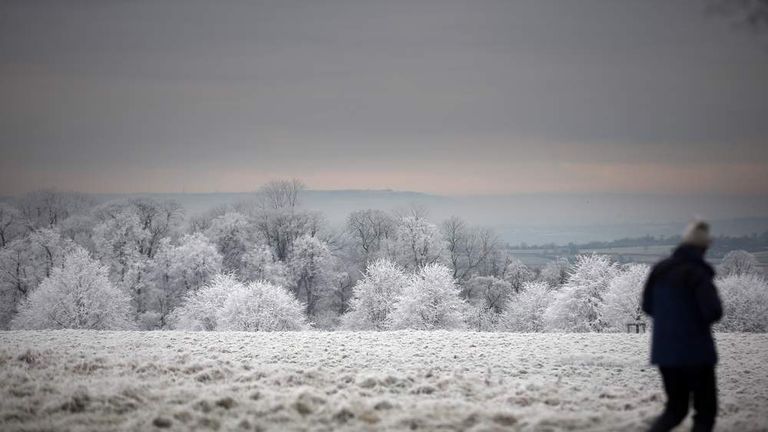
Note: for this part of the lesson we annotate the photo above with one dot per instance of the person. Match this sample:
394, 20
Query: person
683, 302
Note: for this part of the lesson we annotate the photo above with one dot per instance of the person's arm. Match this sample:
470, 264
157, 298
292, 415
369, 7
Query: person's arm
707, 299
648, 293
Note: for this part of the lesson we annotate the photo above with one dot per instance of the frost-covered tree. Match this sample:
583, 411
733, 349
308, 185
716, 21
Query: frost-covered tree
368, 230
481, 319
468, 248
555, 272
277, 220
279, 228
195, 262
374, 296
119, 242
280, 194
227, 304
200, 222
517, 273
156, 219
739, 262
127, 236
577, 306
18, 275
79, 229
261, 306
487, 296
430, 301
176, 271
10, 223
525, 310
200, 309
160, 219
230, 233
417, 243
49, 248
24, 263
487, 292
47, 208
260, 263
341, 290
745, 303
623, 298
77, 295
312, 270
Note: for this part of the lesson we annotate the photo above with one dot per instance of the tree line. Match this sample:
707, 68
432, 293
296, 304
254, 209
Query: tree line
269, 264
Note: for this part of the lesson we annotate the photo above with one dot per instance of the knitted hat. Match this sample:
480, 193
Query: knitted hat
697, 234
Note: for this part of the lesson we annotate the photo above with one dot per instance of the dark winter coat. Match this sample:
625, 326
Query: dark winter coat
683, 301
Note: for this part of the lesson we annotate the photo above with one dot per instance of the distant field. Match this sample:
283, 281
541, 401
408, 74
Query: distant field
449, 381
639, 254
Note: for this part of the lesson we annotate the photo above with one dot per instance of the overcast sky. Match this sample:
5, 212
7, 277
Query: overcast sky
452, 97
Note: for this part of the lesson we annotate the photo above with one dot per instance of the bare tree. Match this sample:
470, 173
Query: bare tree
488, 292
281, 194
414, 210
343, 282
47, 208
200, 222
158, 218
468, 247
368, 229
10, 219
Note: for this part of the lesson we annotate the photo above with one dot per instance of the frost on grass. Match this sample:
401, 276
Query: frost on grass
405, 380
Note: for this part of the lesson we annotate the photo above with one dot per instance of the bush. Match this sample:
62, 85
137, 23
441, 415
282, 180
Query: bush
228, 304
525, 311
745, 303
261, 306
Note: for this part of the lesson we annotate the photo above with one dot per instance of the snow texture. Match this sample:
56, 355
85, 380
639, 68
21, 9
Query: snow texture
349, 381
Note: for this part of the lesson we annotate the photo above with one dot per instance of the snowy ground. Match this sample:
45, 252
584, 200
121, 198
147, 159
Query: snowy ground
75, 380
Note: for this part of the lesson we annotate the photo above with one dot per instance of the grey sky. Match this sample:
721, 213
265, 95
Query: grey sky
438, 95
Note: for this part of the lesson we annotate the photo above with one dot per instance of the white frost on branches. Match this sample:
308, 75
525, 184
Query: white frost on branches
312, 270
745, 303
177, 271
417, 243
430, 301
525, 310
77, 295
261, 306
739, 262
374, 296
24, 263
622, 301
260, 263
577, 306
517, 273
228, 304
230, 233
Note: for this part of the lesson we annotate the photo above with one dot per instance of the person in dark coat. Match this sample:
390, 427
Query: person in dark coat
682, 300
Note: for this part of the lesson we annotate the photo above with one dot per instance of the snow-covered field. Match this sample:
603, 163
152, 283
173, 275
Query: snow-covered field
101, 381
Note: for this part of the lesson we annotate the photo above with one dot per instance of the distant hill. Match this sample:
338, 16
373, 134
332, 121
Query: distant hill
530, 218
